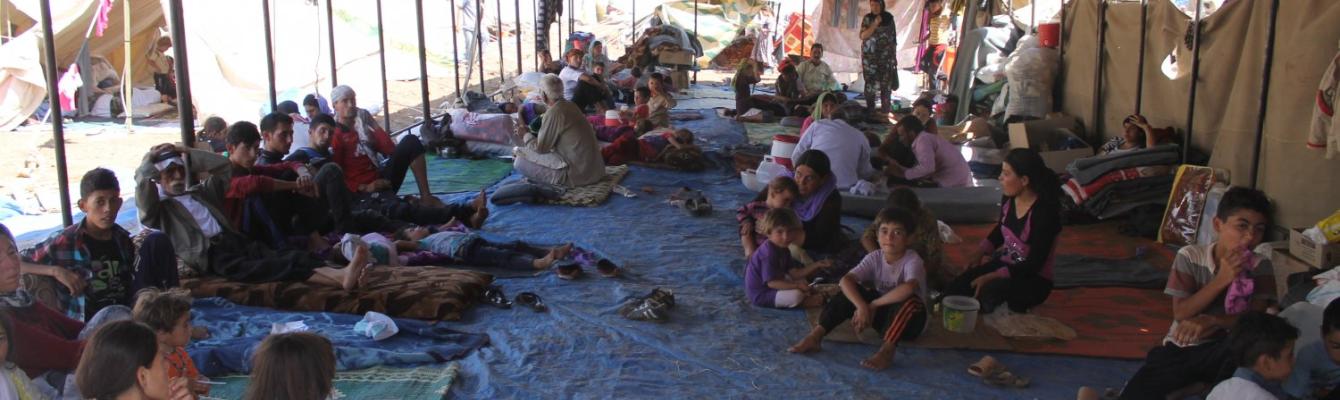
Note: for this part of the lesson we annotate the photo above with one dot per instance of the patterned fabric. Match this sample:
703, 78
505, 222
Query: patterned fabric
421, 383
1081, 193
68, 249
594, 194
427, 293
879, 57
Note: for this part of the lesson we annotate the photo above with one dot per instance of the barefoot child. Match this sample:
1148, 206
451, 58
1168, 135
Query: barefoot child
1262, 346
169, 314
781, 192
895, 305
774, 279
467, 247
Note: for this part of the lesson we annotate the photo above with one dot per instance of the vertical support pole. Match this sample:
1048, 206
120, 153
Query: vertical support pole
804, 14
54, 113
502, 65
519, 68
423, 61
1033, 16
455, 45
1140, 66
1059, 92
479, 42
1195, 80
535, 13
572, 18
269, 55
381, 57
695, 36
633, 17
1098, 73
1265, 92
330, 28
184, 104
5, 30
127, 83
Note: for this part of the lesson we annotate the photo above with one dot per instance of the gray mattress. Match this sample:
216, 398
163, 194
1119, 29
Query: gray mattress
979, 204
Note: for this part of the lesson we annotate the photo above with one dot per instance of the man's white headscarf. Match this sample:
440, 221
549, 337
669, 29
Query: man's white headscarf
552, 87
364, 125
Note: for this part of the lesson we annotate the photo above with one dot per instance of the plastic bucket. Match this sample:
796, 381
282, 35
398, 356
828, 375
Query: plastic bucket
1049, 34
785, 162
960, 313
612, 118
784, 145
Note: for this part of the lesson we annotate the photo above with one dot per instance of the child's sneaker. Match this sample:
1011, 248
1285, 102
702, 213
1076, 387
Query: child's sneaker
607, 268
645, 310
662, 296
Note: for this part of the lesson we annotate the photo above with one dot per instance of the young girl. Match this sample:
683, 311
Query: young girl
292, 366
895, 307
14, 384
122, 361
781, 192
469, 248
926, 241
169, 314
649, 147
772, 278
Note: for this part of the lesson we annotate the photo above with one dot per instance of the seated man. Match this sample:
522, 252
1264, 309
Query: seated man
95, 258
580, 87
847, 149
314, 104
816, 77
1211, 286
371, 161
938, 163
564, 152
746, 76
368, 212
205, 239
300, 123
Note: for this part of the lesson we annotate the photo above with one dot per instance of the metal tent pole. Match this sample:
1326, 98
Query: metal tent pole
696, 37
1140, 70
330, 29
519, 68
381, 57
1058, 92
269, 54
479, 42
128, 91
184, 105
804, 13
633, 17
57, 120
502, 64
1265, 92
423, 62
1195, 78
455, 45
1033, 16
1098, 71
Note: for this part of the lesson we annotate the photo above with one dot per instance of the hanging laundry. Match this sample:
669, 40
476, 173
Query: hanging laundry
67, 86
1323, 135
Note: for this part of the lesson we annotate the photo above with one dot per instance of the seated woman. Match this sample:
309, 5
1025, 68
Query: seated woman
1016, 262
746, 76
1136, 134
564, 151
582, 87
846, 147
938, 162
819, 204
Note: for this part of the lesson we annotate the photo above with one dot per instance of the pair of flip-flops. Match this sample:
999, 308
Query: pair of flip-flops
569, 270
994, 373
692, 201
494, 296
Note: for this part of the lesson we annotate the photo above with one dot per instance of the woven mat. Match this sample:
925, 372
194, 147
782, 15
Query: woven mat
594, 194
454, 175
762, 133
421, 383
935, 336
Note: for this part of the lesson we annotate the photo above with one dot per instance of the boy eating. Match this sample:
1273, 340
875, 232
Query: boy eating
1211, 286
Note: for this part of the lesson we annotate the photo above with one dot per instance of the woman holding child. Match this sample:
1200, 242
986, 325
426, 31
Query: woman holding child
819, 204
1016, 261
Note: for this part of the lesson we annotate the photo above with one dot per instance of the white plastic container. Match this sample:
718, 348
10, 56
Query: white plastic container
769, 169
751, 182
960, 313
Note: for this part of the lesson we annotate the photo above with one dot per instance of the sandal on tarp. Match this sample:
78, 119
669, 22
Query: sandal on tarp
494, 296
568, 270
985, 367
607, 268
531, 300
1006, 379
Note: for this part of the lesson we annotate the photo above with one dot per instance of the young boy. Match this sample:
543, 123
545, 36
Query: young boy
456, 242
1211, 285
1262, 346
169, 314
895, 305
286, 191
781, 192
96, 258
774, 279
1136, 134
640, 111
1316, 372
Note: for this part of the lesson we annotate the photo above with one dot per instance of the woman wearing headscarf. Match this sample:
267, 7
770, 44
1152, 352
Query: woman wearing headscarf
879, 58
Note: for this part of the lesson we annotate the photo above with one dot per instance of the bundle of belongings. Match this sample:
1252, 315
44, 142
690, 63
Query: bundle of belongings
1106, 186
657, 39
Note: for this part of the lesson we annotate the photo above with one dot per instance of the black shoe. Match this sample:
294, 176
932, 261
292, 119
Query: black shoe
663, 296
531, 300
494, 296
645, 310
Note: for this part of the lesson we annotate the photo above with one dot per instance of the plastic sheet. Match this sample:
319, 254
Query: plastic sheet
1186, 205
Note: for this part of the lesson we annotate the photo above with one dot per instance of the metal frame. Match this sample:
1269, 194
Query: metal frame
1195, 80
455, 45
1098, 72
270, 54
423, 62
330, 30
56, 114
1140, 66
1265, 91
479, 42
381, 57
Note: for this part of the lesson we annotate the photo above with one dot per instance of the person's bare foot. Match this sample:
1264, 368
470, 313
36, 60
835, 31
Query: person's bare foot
880, 360
353, 277
481, 211
811, 343
555, 254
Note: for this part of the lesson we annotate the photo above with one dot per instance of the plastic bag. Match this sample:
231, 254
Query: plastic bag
377, 326
947, 234
1186, 204
1330, 227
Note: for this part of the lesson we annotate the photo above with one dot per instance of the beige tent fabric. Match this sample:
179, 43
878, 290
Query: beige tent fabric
22, 85
1232, 60
71, 20
842, 46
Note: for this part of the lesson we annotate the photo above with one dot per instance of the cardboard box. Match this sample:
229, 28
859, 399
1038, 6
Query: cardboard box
680, 57
1320, 255
1047, 134
1285, 265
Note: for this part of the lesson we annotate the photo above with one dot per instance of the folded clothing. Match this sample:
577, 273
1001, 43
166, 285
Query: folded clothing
1089, 169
